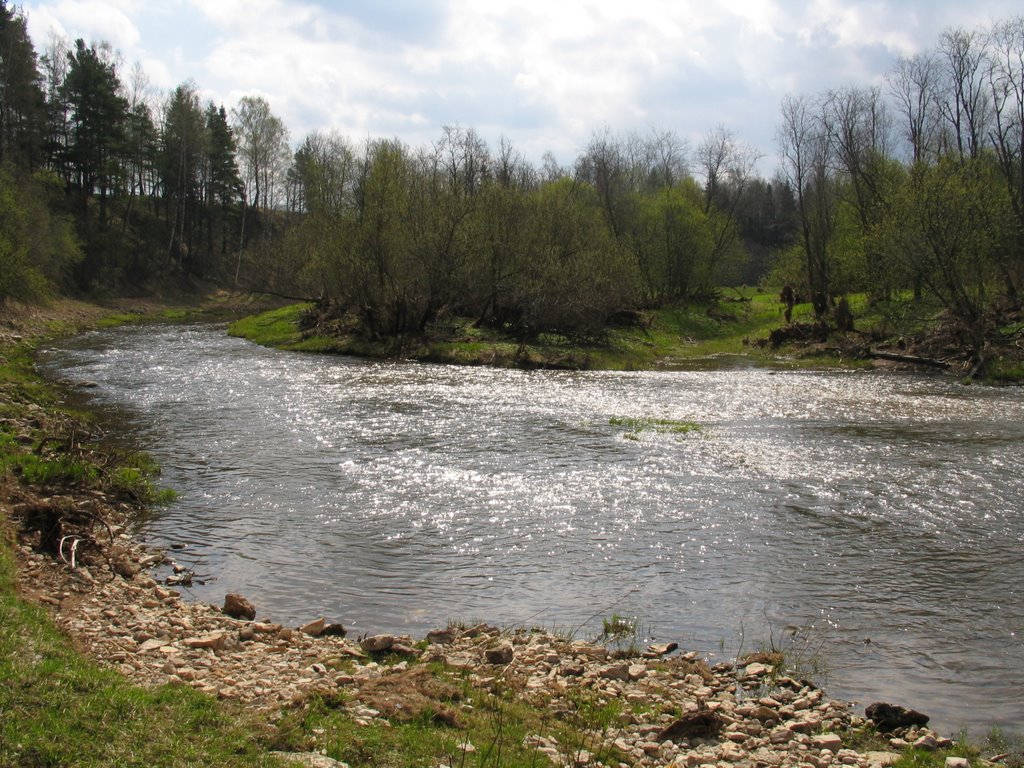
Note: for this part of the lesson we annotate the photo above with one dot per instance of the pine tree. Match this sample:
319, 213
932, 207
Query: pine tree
98, 117
224, 184
22, 106
182, 165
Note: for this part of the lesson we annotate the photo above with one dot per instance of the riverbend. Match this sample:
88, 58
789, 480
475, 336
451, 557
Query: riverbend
867, 520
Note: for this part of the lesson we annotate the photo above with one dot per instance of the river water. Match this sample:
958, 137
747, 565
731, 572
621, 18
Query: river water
870, 523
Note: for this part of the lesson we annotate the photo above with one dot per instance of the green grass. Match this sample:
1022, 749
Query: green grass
276, 328
60, 710
135, 479
1004, 371
495, 724
869, 740
57, 472
115, 320
19, 385
678, 335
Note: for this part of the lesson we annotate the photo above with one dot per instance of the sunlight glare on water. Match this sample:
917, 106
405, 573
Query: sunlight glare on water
878, 514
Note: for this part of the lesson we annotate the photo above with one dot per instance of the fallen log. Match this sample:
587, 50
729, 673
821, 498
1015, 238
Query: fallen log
911, 359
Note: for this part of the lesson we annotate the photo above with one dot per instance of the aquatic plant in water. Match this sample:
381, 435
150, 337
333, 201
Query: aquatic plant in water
638, 425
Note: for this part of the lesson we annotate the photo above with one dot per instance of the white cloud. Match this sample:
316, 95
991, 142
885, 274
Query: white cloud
92, 20
544, 73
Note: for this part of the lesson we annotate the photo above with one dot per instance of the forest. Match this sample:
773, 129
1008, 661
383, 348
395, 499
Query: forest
908, 192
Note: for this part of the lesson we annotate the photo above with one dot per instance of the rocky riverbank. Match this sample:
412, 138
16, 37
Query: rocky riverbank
679, 711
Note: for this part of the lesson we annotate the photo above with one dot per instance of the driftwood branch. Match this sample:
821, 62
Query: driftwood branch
286, 296
75, 541
911, 359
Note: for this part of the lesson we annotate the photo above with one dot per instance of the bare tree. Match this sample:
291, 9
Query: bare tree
55, 71
511, 169
324, 170
605, 166
966, 107
262, 147
551, 169
857, 124
914, 85
726, 166
668, 155
1006, 88
805, 150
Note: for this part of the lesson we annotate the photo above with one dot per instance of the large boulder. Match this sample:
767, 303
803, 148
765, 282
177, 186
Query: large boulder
503, 653
237, 607
889, 717
377, 643
695, 725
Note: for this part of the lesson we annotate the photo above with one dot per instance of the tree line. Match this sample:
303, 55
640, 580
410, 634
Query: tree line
911, 191
135, 188
915, 188
397, 237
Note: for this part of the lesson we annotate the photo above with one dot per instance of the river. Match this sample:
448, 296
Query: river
869, 523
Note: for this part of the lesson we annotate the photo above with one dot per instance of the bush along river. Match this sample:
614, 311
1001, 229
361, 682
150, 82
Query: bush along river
869, 524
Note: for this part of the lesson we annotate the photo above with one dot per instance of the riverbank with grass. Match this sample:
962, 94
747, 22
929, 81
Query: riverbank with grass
742, 327
74, 499
677, 336
102, 665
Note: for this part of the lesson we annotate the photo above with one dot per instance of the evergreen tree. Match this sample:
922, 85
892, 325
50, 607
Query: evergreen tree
21, 94
224, 185
98, 117
182, 164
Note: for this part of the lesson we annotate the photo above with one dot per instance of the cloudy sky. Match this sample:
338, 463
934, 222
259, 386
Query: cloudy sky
543, 73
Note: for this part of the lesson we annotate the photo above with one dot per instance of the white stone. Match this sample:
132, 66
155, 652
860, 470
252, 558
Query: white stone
314, 628
881, 759
377, 643
829, 741
927, 742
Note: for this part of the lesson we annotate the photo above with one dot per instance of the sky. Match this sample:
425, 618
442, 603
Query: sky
544, 74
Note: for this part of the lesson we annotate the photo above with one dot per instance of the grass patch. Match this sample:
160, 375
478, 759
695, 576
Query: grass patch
922, 758
135, 479
115, 320
1003, 371
20, 387
61, 710
637, 425
45, 472
276, 328
621, 634
495, 726
677, 334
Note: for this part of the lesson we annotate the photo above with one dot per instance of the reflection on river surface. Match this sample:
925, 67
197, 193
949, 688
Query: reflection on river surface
879, 516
